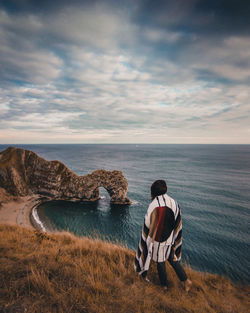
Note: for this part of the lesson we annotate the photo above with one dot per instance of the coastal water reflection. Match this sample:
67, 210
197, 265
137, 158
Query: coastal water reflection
93, 219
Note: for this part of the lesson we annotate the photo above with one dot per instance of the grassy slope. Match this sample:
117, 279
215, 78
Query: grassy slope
62, 273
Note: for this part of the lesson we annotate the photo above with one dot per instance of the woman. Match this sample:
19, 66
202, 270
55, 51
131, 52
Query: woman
161, 237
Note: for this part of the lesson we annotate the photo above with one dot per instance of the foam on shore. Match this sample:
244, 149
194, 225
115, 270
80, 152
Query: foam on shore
36, 219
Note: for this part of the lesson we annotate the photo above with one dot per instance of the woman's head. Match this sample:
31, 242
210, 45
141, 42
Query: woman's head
159, 187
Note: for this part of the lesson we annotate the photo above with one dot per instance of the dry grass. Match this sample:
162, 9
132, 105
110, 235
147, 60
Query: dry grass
63, 273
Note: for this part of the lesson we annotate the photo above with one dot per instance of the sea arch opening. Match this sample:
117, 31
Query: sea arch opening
104, 199
104, 193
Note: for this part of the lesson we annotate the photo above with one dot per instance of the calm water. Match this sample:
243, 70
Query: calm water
210, 182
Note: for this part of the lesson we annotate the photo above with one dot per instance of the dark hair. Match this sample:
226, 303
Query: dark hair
159, 187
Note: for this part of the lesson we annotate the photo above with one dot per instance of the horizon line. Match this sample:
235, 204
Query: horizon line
67, 143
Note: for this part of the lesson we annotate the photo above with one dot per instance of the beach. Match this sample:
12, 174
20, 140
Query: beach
19, 211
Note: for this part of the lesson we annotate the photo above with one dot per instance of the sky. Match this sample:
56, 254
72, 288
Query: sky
136, 71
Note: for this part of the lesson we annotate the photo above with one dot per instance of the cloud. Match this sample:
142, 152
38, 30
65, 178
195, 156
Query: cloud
94, 27
23, 59
213, 17
110, 72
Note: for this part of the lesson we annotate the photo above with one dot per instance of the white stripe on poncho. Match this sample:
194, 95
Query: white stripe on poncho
162, 231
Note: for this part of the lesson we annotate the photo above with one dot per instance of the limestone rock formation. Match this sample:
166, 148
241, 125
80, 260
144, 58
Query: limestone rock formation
23, 173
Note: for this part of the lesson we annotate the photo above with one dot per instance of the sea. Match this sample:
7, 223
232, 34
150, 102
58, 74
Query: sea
211, 183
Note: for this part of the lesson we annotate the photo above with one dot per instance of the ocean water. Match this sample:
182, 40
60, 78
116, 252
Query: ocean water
210, 182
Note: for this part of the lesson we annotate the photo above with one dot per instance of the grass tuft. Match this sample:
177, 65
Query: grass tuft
63, 273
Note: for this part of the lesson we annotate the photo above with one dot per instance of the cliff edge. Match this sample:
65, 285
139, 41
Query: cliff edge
42, 272
23, 172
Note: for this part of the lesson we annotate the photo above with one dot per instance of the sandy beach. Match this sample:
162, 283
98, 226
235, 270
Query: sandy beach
18, 211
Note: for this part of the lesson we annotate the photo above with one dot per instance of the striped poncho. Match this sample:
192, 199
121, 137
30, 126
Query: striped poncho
162, 231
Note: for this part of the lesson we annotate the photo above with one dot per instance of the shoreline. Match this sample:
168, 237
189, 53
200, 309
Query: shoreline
35, 220
21, 211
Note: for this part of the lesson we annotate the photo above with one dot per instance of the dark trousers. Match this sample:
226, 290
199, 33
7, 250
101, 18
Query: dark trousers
179, 270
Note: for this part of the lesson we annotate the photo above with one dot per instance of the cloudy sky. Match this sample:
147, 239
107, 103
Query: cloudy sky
141, 71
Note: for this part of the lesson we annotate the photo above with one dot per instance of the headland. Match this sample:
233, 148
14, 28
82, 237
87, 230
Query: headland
27, 180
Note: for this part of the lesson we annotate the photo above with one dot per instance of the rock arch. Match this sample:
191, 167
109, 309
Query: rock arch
23, 172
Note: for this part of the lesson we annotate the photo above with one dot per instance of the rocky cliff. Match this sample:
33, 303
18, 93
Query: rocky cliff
23, 173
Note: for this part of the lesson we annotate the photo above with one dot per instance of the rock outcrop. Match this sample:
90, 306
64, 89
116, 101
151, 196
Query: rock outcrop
23, 173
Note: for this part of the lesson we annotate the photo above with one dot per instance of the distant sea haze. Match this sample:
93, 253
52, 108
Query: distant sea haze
211, 183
